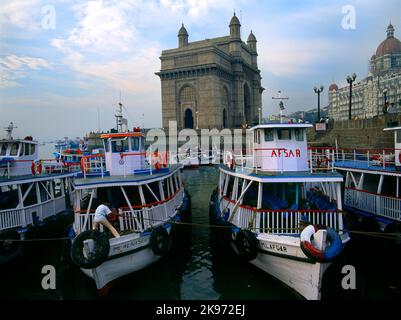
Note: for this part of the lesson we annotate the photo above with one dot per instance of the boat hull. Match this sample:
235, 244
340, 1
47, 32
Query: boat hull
121, 265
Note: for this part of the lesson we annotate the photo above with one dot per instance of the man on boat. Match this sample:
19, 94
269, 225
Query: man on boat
101, 214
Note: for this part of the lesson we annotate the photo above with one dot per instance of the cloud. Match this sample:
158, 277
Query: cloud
14, 67
22, 14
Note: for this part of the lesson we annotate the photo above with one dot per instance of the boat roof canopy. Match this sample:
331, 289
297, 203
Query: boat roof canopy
282, 125
121, 135
392, 129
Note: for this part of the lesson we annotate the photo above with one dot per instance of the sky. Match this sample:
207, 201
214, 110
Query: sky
64, 64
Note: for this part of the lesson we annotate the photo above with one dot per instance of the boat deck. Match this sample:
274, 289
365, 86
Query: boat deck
285, 176
4, 180
129, 179
365, 166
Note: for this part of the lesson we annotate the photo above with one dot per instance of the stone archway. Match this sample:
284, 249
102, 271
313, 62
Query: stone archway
188, 119
187, 106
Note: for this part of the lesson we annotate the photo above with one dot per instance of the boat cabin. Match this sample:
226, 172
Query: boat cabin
281, 147
124, 152
397, 146
17, 156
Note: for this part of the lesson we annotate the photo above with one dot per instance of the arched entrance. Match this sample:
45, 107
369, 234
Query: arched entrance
188, 119
247, 105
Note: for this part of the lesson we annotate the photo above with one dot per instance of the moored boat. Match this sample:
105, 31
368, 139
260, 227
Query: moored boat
32, 194
372, 184
282, 211
149, 196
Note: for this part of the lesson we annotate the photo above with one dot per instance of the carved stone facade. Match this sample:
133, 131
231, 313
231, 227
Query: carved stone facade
213, 83
383, 83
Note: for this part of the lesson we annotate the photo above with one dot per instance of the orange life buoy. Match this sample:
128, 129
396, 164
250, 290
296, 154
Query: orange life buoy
36, 168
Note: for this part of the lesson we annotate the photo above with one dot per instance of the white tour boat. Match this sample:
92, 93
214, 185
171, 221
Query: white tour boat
372, 184
282, 211
32, 193
149, 198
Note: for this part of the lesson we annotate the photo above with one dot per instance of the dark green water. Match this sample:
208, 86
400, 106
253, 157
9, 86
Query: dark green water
196, 269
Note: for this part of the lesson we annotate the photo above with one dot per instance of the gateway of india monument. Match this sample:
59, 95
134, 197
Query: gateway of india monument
213, 83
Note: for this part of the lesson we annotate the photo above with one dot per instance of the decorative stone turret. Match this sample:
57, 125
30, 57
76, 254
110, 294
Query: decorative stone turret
182, 37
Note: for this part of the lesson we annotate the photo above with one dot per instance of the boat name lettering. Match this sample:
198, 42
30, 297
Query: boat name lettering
275, 247
287, 153
132, 244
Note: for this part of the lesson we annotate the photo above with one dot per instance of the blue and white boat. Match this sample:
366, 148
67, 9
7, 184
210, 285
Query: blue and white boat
149, 196
372, 184
32, 193
281, 210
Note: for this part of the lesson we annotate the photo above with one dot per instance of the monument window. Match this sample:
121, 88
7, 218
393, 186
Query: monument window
188, 119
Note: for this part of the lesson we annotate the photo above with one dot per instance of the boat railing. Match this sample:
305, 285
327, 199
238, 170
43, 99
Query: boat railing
16, 167
284, 221
378, 204
141, 218
22, 217
93, 164
382, 157
319, 159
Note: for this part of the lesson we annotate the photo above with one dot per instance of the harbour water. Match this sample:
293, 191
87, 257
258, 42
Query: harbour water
197, 269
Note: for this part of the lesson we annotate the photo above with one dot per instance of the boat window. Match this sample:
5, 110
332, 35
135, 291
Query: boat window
284, 134
119, 145
398, 136
3, 149
14, 149
299, 134
134, 143
269, 135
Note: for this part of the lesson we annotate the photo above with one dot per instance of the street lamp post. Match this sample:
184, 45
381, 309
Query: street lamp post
197, 120
260, 115
350, 80
318, 91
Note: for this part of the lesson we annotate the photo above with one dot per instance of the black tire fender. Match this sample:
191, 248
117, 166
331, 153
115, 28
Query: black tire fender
160, 241
97, 256
247, 244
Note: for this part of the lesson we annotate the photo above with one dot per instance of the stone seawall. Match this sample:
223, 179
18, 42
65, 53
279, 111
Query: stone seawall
364, 133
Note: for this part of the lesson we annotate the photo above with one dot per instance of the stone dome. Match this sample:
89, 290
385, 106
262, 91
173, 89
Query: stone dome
183, 31
251, 37
390, 45
333, 87
234, 20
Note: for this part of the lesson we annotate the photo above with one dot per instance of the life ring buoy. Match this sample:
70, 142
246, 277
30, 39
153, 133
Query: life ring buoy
229, 160
160, 241
247, 244
36, 167
97, 256
332, 250
157, 166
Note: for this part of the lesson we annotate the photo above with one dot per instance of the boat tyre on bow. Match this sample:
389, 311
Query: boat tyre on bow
332, 250
160, 241
97, 256
247, 244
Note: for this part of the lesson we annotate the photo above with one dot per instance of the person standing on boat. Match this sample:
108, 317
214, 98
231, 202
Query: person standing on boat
101, 214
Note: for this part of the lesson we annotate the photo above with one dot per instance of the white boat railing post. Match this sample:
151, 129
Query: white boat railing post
384, 158
368, 157
310, 161
354, 155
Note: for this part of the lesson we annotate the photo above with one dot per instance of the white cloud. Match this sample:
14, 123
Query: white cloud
14, 67
22, 14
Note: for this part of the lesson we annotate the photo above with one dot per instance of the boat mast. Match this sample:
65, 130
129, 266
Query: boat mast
281, 104
9, 130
